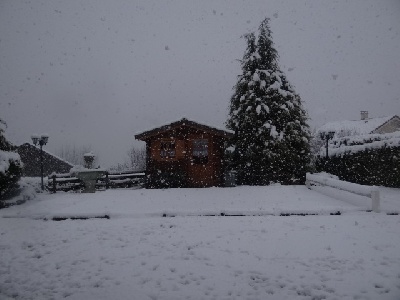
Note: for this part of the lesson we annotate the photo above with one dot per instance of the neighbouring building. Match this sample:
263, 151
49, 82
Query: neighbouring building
363, 126
30, 156
365, 151
184, 154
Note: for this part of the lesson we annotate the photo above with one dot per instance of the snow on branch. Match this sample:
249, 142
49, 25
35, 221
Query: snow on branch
6, 158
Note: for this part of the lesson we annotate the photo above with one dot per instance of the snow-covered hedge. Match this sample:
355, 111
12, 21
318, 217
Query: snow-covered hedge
360, 143
368, 159
10, 172
7, 159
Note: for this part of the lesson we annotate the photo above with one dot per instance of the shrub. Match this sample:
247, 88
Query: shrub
371, 166
166, 180
10, 173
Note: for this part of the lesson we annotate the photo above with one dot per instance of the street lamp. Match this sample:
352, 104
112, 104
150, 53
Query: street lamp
42, 140
327, 136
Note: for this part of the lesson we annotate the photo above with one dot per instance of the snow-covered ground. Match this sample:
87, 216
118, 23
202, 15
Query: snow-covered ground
138, 254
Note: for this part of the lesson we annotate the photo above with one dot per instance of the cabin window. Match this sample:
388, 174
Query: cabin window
200, 151
167, 149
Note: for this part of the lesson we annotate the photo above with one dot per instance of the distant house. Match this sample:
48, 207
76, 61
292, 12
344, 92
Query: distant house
184, 154
363, 126
30, 156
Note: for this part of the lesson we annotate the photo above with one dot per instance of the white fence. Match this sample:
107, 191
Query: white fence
358, 189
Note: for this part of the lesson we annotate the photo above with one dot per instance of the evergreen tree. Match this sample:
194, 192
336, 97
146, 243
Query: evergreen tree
10, 166
271, 134
4, 144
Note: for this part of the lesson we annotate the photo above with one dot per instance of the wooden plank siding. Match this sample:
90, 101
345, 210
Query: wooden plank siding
182, 167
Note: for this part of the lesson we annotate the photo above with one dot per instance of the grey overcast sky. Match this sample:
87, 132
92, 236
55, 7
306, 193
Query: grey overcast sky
95, 72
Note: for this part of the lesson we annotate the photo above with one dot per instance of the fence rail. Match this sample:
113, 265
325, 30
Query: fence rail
358, 189
66, 182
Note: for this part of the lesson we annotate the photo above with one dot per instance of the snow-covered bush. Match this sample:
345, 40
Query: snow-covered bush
171, 179
359, 143
10, 172
27, 189
372, 159
10, 167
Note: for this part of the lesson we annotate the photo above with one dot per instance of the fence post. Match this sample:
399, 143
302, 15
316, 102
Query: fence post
107, 181
54, 184
376, 207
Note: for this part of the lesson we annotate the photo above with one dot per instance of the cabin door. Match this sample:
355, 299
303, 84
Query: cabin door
200, 167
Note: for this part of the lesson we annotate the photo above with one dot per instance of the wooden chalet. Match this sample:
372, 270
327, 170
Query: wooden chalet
184, 154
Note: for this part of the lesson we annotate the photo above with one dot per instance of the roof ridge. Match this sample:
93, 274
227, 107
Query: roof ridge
186, 122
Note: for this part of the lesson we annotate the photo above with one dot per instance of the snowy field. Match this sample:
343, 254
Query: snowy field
138, 254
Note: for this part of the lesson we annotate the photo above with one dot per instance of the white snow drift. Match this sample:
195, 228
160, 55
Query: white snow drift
138, 254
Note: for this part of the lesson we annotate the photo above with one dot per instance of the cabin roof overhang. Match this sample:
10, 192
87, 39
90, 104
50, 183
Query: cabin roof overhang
184, 123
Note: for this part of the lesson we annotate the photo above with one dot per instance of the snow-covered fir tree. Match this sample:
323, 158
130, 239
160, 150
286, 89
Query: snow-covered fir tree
271, 134
10, 166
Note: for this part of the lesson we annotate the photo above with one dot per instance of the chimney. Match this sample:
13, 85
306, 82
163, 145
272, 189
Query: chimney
364, 115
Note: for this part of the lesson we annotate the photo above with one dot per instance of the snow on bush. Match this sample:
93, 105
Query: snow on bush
10, 173
6, 159
355, 144
370, 159
26, 190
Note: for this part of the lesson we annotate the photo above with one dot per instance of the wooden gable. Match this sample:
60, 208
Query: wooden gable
182, 126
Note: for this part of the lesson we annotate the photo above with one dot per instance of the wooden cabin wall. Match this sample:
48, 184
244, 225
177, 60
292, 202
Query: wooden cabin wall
182, 166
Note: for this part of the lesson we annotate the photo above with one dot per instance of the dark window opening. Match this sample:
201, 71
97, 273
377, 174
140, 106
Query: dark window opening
200, 151
167, 149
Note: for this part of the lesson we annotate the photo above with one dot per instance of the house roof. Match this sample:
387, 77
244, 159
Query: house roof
37, 149
356, 127
183, 123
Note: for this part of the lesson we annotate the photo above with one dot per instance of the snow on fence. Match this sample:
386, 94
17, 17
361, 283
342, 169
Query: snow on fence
67, 182
64, 182
358, 189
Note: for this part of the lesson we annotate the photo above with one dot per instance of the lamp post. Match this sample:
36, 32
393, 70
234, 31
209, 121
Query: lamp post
42, 140
327, 136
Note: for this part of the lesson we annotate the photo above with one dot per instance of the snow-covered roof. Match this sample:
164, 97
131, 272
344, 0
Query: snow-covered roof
47, 152
183, 122
356, 127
